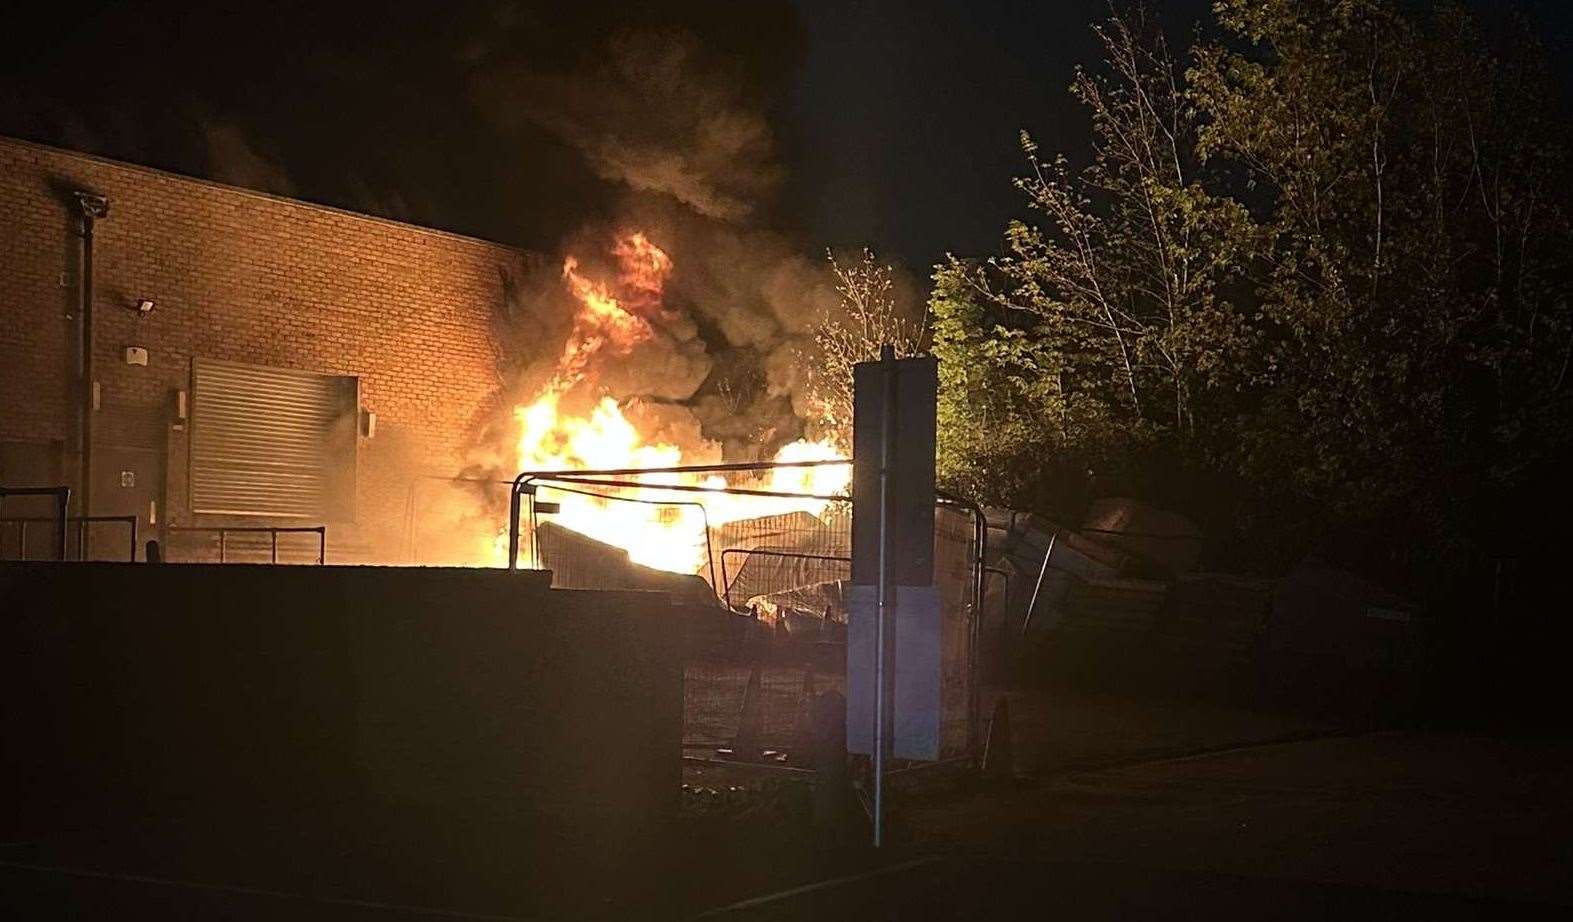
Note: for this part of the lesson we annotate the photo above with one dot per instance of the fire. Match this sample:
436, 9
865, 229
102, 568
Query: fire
613, 318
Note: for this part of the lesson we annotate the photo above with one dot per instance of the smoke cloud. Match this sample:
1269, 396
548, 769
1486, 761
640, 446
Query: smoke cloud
687, 138
233, 157
646, 111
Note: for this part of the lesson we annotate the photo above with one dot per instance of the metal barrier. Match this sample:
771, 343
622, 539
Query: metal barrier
82, 523
751, 693
767, 552
273, 532
62, 497
525, 481
538, 508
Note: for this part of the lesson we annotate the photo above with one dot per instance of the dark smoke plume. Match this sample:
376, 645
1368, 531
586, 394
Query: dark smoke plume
645, 111
682, 131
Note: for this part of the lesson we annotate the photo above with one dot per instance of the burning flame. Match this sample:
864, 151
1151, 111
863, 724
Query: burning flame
611, 319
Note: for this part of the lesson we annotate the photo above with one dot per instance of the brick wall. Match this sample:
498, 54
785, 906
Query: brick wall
241, 276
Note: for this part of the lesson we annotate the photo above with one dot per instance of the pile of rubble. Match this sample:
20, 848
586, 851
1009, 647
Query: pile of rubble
1126, 578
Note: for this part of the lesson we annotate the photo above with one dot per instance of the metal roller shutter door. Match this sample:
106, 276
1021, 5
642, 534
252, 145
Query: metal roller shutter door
271, 442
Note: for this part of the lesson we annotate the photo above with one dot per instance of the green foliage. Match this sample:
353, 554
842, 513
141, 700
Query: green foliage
1323, 269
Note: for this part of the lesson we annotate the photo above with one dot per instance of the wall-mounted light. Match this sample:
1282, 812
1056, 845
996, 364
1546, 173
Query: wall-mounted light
145, 306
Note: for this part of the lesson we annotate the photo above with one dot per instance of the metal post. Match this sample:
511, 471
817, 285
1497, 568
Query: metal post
85, 305
81, 536
274, 534
62, 507
133, 539
322, 545
884, 671
535, 531
90, 208
513, 527
222, 535
1032, 606
980, 551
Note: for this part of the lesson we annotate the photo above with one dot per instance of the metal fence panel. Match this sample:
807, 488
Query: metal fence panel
782, 576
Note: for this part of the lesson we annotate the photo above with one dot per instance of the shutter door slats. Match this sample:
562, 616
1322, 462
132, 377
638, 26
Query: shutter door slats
263, 439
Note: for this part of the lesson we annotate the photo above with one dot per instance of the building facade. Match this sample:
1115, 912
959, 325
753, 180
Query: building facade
253, 360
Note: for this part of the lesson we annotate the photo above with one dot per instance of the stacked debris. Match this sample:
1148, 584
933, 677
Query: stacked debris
780, 553
1321, 612
1112, 608
1156, 543
1108, 575
581, 562
812, 612
1118, 598
1215, 618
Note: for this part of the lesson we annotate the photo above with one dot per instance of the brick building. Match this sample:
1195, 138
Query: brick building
254, 360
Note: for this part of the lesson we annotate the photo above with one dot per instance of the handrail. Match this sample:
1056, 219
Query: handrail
62, 497
81, 530
321, 531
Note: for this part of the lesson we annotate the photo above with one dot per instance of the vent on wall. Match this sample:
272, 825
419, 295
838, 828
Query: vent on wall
272, 442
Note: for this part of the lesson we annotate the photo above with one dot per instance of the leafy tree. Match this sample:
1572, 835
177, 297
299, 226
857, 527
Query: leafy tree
1322, 270
1108, 329
1414, 257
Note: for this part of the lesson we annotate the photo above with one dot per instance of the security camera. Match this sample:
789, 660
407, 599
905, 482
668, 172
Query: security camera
145, 306
93, 205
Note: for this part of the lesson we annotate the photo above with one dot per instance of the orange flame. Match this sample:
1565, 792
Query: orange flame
611, 320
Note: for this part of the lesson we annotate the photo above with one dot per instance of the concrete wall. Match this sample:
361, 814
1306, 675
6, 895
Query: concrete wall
421, 735
240, 276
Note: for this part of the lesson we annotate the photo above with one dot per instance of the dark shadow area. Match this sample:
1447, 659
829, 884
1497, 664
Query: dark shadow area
469, 740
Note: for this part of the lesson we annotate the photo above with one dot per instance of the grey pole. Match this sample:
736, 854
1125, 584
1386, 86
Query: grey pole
883, 666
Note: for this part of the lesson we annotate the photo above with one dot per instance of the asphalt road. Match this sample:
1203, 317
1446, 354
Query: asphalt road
1105, 821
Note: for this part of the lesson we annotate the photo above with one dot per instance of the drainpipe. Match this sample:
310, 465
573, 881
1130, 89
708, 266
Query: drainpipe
92, 208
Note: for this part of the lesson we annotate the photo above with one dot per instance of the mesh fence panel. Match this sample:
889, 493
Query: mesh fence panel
768, 594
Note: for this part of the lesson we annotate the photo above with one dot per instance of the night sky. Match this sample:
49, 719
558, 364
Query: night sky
888, 124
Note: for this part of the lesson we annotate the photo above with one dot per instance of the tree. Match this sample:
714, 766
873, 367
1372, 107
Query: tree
1323, 271
869, 315
1108, 329
1414, 262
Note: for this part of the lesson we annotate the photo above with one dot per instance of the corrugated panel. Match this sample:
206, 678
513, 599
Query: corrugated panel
270, 441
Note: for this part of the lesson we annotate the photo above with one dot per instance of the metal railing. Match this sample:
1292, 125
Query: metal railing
62, 497
82, 522
524, 482
728, 682
768, 552
273, 532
